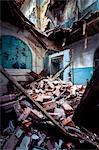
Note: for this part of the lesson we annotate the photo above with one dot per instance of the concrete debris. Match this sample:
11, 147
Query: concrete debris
24, 144
42, 138
32, 130
34, 137
25, 114
19, 133
37, 113
60, 112
49, 145
58, 145
49, 89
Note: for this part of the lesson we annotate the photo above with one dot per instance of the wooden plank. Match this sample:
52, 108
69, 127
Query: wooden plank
30, 99
60, 128
56, 55
18, 72
62, 70
22, 78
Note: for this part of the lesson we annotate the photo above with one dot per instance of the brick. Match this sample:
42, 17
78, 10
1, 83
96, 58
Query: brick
49, 105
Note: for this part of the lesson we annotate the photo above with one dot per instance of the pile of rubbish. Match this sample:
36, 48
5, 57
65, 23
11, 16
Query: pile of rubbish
56, 91
39, 117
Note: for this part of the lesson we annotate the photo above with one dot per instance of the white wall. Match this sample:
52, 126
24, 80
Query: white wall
82, 57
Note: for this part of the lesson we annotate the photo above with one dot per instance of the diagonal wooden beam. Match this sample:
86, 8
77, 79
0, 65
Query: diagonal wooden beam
30, 99
60, 128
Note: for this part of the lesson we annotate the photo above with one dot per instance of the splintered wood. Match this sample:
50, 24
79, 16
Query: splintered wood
44, 117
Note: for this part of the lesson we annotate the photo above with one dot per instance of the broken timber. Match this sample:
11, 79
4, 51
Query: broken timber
30, 99
62, 70
60, 128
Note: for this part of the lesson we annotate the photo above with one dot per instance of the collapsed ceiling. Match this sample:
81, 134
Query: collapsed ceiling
47, 18
47, 14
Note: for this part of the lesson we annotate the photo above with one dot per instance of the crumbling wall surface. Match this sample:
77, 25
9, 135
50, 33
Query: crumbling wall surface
28, 8
73, 5
37, 52
36, 49
50, 13
87, 112
69, 11
35, 12
15, 53
83, 59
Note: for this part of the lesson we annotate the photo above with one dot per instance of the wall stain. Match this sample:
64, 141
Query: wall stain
15, 53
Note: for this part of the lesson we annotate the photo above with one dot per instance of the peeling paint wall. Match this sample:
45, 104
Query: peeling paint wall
28, 8
77, 8
35, 12
83, 59
37, 51
72, 11
47, 14
20, 50
15, 53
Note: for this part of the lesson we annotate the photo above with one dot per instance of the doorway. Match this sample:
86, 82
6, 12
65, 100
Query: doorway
58, 61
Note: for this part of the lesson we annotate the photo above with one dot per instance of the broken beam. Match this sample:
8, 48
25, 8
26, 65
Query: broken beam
60, 128
62, 70
30, 99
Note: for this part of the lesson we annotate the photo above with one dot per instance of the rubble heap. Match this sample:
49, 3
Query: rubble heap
30, 128
58, 97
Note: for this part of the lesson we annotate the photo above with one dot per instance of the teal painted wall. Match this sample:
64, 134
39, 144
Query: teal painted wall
14, 53
81, 75
83, 59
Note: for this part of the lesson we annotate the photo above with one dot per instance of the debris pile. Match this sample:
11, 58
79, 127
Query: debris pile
56, 96
40, 117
